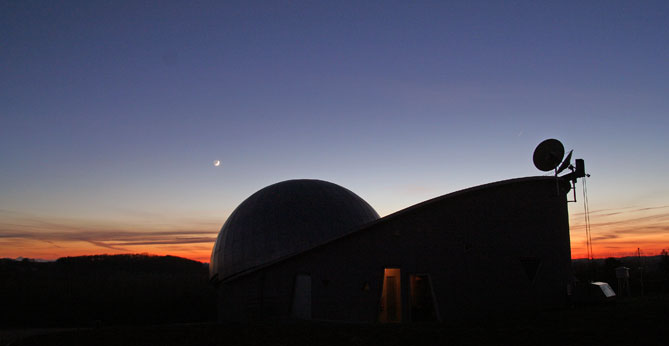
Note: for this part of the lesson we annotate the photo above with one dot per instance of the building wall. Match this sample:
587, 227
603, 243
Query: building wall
475, 245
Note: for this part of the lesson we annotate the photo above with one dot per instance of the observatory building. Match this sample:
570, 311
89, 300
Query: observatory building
310, 249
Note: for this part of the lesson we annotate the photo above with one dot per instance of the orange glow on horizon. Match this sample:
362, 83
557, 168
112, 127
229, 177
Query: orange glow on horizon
619, 232
202, 252
615, 233
197, 255
619, 249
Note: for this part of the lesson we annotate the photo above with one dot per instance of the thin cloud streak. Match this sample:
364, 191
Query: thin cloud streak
605, 237
629, 226
104, 245
164, 242
617, 211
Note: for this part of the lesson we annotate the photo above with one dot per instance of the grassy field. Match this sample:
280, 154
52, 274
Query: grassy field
632, 321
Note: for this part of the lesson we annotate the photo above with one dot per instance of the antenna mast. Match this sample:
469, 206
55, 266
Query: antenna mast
547, 157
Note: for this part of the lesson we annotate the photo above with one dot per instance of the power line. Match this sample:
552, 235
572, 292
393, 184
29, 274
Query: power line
588, 233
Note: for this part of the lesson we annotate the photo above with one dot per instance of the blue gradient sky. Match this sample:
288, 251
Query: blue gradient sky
112, 112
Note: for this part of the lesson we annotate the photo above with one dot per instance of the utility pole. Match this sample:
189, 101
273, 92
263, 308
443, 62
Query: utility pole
638, 253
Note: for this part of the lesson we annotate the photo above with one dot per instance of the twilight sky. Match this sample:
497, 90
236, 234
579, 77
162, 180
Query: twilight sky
112, 112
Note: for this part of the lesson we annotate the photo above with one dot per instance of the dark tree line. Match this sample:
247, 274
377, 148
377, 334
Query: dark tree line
104, 290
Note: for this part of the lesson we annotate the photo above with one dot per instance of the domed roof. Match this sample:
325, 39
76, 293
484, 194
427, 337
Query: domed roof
284, 219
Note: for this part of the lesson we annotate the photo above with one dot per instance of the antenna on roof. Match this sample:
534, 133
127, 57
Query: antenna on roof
566, 163
548, 155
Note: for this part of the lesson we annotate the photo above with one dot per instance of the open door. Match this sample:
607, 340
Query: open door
391, 297
423, 307
301, 308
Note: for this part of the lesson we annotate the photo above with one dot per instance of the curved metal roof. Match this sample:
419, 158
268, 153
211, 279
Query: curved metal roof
284, 219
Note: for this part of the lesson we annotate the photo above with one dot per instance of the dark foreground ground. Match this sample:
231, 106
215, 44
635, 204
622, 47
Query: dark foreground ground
632, 321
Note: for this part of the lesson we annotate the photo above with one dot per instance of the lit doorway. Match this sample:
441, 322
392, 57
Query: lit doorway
391, 297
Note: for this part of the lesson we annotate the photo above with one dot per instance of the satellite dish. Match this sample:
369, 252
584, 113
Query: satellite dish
548, 154
566, 163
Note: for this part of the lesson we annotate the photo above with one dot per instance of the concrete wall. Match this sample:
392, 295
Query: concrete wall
473, 243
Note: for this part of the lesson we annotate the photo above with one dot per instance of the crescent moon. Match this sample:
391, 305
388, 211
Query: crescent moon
217, 163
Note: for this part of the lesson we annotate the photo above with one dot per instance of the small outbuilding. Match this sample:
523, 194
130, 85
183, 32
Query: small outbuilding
310, 249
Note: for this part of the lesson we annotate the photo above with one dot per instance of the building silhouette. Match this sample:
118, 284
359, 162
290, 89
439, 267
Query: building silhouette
310, 249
